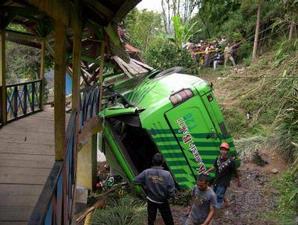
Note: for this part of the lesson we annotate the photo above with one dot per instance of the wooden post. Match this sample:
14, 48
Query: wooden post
101, 64
59, 90
94, 160
76, 68
41, 73
2, 77
76, 74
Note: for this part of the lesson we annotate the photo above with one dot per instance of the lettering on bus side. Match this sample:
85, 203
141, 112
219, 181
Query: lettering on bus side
188, 140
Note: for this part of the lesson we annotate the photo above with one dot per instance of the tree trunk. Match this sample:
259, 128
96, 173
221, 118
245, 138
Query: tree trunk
164, 15
185, 11
169, 17
291, 29
255, 48
174, 7
178, 7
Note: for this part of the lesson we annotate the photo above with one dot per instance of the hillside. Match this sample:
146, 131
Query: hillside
258, 101
268, 193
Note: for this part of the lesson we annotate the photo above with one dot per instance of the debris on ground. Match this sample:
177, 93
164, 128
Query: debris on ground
258, 160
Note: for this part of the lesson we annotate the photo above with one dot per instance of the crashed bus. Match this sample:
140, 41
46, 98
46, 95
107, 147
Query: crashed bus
168, 112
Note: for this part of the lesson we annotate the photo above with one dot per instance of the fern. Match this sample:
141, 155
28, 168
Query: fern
125, 211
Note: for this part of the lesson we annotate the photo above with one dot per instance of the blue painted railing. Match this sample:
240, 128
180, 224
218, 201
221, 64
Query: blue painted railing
23, 99
55, 203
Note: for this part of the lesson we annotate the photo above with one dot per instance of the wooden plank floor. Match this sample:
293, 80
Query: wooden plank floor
26, 158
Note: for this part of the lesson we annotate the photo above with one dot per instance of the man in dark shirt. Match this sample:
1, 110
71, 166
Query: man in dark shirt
159, 186
225, 169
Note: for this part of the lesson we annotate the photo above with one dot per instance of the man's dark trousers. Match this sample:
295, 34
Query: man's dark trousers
164, 210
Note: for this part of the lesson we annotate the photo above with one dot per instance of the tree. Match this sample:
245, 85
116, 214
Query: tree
291, 15
170, 8
142, 27
256, 39
213, 14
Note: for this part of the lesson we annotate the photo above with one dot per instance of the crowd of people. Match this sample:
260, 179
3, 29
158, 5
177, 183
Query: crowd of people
213, 53
159, 186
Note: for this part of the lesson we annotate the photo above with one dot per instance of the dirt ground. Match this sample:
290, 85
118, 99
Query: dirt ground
250, 203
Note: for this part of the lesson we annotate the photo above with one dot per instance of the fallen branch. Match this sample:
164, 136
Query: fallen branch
100, 203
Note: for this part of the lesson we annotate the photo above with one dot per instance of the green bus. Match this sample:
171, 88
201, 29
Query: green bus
168, 112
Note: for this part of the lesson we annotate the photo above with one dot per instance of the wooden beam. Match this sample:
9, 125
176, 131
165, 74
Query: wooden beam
15, 35
76, 68
91, 127
124, 9
57, 9
59, 89
26, 43
99, 7
42, 69
28, 12
2, 77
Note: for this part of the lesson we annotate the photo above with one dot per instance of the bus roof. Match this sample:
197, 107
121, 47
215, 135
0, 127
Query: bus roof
153, 90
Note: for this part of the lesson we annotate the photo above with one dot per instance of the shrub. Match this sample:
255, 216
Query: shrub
244, 53
125, 211
163, 54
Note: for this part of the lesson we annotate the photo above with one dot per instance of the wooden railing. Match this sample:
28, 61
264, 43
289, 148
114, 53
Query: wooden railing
1, 110
55, 203
23, 99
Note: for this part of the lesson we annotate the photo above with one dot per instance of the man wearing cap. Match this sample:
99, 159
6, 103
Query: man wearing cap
159, 186
225, 168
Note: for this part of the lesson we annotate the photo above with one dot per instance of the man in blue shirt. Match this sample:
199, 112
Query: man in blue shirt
159, 186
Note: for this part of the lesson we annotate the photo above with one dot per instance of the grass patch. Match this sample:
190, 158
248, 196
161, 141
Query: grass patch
286, 212
235, 122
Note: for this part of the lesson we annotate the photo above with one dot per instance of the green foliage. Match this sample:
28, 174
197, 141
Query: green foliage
16, 27
284, 50
23, 62
182, 32
163, 54
287, 122
142, 27
213, 14
286, 212
125, 211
